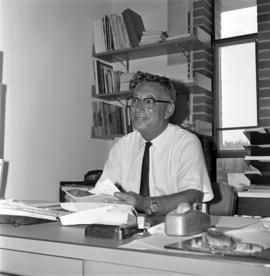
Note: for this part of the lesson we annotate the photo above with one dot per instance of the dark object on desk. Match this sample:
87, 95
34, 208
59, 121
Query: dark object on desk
224, 201
115, 232
21, 220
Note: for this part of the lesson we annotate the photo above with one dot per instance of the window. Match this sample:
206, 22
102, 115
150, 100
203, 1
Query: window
236, 18
236, 77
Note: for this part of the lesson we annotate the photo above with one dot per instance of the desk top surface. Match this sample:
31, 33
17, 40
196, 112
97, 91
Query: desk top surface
56, 233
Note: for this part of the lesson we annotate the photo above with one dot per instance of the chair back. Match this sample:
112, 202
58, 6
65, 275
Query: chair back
224, 201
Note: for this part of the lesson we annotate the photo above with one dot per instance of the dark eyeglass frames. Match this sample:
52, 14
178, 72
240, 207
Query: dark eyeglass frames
133, 101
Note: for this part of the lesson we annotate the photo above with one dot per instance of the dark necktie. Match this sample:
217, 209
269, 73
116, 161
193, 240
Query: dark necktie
144, 189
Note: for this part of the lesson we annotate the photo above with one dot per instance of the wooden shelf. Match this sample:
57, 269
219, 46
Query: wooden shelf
199, 84
195, 41
112, 96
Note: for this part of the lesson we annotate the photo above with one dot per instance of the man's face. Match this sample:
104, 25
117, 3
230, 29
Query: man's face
150, 122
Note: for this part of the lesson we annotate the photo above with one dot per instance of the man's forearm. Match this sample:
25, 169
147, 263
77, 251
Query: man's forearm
165, 204
160, 205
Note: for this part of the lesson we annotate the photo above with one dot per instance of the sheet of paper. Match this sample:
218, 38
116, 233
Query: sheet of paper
156, 242
115, 214
255, 233
105, 190
96, 202
106, 187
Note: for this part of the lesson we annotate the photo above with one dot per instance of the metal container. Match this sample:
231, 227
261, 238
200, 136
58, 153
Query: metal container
186, 224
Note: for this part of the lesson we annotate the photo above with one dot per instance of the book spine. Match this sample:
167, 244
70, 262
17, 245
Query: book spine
132, 34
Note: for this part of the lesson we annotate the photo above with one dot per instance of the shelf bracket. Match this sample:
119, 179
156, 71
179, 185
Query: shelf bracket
124, 62
121, 101
184, 52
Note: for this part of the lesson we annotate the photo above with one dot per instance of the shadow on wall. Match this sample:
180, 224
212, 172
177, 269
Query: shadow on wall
4, 170
3, 179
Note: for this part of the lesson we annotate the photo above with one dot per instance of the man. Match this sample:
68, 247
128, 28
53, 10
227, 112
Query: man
177, 171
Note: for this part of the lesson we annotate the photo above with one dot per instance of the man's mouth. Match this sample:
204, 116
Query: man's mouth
140, 118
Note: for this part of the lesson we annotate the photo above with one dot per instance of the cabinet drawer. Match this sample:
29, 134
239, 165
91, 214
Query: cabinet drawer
23, 263
101, 268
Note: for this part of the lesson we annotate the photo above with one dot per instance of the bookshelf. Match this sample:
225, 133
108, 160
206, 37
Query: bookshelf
192, 41
196, 40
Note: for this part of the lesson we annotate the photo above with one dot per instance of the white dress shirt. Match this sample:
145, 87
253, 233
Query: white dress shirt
176, 163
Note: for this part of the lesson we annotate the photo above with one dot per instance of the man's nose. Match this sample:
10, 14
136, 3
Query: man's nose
140, 105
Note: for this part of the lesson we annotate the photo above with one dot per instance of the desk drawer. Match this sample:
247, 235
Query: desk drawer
24, 263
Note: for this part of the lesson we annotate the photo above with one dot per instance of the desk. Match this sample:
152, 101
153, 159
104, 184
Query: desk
52, 249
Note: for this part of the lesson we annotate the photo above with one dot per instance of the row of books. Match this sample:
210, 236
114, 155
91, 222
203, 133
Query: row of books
110, 120
113, 32
108, 80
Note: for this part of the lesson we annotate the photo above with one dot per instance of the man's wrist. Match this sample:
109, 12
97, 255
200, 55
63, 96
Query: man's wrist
154, 206
150, 206
147, 204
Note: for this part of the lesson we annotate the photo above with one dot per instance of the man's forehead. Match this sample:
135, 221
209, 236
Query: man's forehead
151, 88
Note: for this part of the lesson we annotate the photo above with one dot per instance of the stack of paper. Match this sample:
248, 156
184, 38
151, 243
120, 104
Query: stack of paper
9, 207
149, 37
97, 212
100, 206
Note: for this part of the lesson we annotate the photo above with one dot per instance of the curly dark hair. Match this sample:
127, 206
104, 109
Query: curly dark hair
140, 77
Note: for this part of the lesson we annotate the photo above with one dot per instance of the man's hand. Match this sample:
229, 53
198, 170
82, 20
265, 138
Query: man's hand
141, 203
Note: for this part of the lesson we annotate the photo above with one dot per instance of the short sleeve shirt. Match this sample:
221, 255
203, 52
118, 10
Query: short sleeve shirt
176, 163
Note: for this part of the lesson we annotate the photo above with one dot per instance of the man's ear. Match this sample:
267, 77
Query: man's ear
169, 110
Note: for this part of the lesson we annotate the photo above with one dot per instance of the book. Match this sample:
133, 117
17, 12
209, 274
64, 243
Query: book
134, 25
102, 72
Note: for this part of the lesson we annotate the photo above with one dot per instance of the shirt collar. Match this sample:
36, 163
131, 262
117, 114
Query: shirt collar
157, 142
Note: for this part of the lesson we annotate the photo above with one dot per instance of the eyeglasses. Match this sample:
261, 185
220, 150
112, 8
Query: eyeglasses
147, 102
142, 76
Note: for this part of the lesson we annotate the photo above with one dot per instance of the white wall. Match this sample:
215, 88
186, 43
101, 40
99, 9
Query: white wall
48, 72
